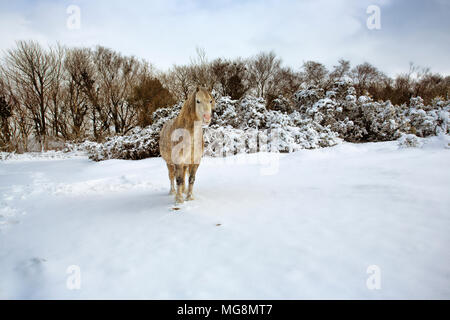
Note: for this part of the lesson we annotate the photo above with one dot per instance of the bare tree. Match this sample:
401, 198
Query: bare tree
231, 77
178, 81
341, 70
263, 68
32, 71
314, 73
200, 71
76, 94
147, 96
285, 84
117, 75
82, 68
5, 130
364, 75
55, 90
19, 121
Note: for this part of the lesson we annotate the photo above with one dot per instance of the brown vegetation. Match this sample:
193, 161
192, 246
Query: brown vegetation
52, 95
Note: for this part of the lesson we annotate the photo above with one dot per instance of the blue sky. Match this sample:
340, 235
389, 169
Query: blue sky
167, 32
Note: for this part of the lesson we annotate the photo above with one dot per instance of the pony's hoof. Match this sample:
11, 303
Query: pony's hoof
190, 197
179, 200
171, 192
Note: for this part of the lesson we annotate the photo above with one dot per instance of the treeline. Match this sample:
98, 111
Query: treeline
57, 94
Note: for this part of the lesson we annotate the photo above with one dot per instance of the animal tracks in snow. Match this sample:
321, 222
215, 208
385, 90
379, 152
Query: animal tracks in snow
40, 186
9, 215
91, 186
101, 186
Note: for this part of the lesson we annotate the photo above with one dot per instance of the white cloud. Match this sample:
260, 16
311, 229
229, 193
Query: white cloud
167, 32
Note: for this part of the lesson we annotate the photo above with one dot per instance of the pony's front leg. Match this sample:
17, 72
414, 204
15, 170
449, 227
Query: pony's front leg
171, 168
180, 172
192, 171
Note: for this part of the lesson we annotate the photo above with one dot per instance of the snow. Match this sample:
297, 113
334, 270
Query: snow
309, 230
33, 156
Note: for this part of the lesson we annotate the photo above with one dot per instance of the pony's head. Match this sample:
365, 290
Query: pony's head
204, 104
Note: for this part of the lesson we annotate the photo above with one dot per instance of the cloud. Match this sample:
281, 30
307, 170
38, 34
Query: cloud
167, 32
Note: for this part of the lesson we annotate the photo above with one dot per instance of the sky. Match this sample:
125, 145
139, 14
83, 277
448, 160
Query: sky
167, 32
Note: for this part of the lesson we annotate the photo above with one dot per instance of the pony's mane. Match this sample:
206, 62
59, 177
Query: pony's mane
187, 111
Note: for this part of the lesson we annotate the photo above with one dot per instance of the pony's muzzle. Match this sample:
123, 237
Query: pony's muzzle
206, 118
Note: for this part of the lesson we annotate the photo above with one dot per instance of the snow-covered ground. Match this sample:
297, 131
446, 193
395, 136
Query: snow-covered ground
310, 230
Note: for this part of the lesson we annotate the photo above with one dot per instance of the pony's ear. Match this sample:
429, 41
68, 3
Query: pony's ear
197, 89
210, 87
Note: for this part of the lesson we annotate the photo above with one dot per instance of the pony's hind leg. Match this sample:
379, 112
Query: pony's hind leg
184, 190
171, 168
180, 172
192, 171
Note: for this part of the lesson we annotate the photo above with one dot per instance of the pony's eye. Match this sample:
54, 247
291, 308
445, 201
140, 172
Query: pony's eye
210, 101
198, 101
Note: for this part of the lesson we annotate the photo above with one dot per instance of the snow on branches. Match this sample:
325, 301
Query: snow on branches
315, 119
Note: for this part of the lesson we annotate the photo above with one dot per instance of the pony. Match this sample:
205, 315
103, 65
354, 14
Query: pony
181, 141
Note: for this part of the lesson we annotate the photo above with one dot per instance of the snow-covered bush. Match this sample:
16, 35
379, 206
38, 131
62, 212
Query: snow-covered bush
138, 144
226, 113
359, 119
409, 141
425, 120
238, 126
247, 126
319, 120
281, 104
308, 96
